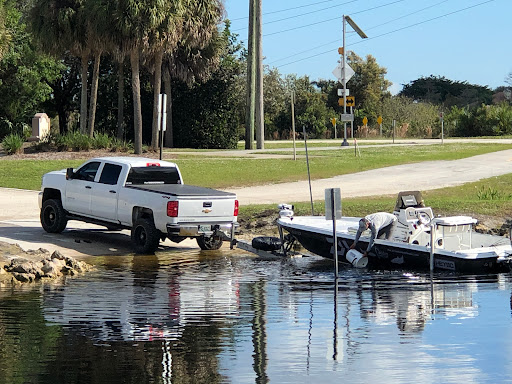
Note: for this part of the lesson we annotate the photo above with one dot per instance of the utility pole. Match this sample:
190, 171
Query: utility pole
255, 112
260, 119
344, 63
251, 81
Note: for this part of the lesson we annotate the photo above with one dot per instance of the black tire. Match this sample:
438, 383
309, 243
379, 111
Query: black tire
53, 217
145, 236
266, 243
209, 243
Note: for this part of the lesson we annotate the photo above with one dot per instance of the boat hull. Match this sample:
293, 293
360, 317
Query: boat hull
390, 255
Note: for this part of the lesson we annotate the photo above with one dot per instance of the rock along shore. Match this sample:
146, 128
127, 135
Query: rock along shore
19, 266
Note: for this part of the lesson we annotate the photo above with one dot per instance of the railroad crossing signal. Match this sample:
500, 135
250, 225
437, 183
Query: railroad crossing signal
351, 101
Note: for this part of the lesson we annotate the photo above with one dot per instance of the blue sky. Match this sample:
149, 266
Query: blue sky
462, 40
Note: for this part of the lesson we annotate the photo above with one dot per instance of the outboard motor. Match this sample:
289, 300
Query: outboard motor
285, 210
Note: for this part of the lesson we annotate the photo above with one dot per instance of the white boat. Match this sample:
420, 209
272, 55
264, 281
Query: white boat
456, 245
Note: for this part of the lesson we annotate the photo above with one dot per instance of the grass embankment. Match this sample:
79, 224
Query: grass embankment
488, 198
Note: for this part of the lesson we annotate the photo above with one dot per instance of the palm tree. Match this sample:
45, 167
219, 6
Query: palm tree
197, 52
133, 28
164, 39
62, 26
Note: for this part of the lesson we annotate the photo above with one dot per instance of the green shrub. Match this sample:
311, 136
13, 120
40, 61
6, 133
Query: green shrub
75, 141
12, 144
117, 145
490, 193
101, 141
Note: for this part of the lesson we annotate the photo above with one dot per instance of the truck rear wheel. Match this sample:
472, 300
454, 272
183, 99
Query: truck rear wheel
209, 243
53, 217
145, 236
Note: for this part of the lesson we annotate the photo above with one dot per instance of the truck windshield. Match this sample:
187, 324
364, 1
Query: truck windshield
153, 175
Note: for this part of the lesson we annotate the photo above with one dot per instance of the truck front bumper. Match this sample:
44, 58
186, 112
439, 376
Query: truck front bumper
198, 229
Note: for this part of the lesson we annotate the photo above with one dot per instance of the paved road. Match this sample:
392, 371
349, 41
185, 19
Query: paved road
389, 180
19, 211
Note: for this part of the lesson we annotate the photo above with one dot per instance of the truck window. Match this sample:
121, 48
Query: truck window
110, 174
153, 175
87, 172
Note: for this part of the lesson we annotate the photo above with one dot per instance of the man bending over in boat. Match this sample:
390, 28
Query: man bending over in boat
381, 225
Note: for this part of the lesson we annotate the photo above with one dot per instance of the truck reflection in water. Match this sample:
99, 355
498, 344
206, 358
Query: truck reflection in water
147, 304
213, 318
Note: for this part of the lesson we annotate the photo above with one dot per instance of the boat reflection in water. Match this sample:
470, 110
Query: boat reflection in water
224, 317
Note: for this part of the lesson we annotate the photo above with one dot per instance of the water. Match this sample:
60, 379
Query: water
226, 317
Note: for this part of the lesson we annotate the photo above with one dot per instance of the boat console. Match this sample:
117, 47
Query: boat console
415, 222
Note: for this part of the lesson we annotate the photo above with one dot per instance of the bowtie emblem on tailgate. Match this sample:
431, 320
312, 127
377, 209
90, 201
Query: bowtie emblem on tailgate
207, 205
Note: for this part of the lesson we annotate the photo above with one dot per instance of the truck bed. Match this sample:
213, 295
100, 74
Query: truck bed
181, 190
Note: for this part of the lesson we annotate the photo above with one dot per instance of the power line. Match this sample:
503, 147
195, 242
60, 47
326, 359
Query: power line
306, 14
367, 29
336, 18
290, 9
409, 14
302, 14
396, 30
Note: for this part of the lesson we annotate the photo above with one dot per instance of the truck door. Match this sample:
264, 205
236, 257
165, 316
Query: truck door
104, 193
78, 189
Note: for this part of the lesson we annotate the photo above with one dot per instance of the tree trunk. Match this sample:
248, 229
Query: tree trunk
137, 110
63, 119
120, 101
94, 93
156, 92
83, 97
169, 136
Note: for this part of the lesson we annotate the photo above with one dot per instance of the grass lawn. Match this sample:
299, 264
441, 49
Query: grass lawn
228, 172
224, 172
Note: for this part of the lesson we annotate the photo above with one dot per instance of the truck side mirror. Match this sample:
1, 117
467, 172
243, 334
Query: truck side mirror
69, 174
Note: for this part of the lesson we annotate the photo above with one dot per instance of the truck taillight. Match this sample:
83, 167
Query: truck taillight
236, 209
172, 208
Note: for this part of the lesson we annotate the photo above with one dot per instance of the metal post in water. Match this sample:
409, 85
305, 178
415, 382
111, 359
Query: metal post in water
335, 331
334, 237
432, 245
309, 175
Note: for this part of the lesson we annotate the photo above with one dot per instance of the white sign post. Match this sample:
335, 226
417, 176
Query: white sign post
162, 119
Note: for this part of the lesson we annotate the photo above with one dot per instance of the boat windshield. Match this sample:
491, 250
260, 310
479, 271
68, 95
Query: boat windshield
409, 199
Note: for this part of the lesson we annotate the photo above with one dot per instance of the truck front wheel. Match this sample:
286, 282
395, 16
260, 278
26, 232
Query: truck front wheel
145, 236
53, 217
209, 243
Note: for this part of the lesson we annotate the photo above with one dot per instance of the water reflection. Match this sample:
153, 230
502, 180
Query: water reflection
226, 317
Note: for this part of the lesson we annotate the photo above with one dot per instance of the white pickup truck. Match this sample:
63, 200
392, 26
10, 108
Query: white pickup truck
145, 195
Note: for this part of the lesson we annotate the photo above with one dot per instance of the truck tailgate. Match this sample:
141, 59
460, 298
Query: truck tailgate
196, 204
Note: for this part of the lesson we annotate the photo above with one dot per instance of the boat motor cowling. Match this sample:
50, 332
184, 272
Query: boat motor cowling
285, 210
